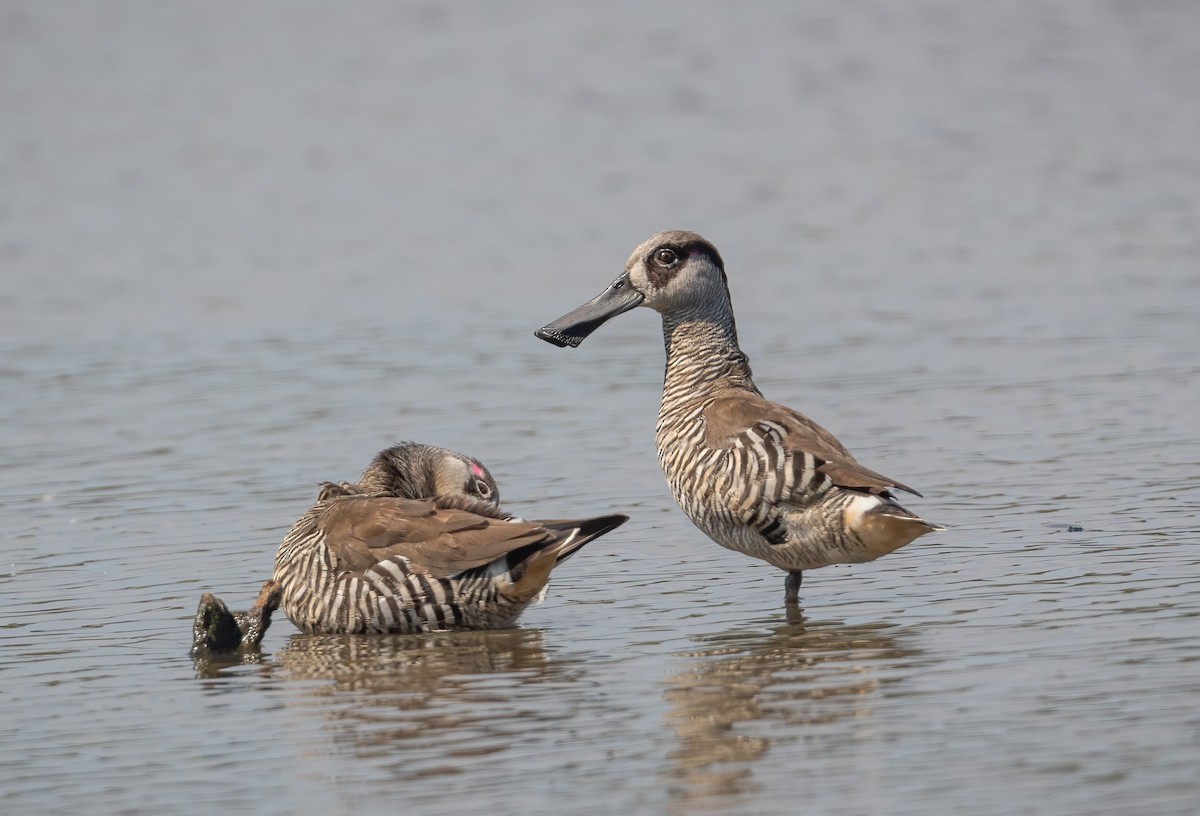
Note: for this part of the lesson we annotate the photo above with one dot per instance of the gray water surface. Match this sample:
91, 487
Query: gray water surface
245, 247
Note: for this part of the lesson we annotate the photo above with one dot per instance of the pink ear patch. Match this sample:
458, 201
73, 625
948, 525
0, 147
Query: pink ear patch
477, 470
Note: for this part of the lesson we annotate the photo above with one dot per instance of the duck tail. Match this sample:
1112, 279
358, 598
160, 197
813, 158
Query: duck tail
883, 526
530, 576
895, 526
581, 531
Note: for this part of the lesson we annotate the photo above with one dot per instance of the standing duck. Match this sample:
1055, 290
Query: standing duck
419, 544
755, 476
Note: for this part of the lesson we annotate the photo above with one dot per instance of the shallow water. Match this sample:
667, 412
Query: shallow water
244, 249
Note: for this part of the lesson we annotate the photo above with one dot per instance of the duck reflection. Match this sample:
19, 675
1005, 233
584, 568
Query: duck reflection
741, 693
411, 664
447, 694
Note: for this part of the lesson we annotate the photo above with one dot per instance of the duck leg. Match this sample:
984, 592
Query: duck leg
791, 587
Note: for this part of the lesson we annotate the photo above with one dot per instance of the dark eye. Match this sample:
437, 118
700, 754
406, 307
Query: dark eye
666, 257
482, 488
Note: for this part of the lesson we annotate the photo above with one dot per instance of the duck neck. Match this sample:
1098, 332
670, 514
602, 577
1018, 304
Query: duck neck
703, 355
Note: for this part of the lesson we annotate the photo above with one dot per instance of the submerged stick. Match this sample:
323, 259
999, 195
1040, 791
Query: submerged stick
216, 630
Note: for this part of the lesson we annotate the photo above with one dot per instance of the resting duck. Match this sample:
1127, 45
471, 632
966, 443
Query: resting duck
419, 544
755, 476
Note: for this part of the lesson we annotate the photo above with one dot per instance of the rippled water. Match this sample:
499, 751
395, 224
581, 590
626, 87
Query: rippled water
245, 248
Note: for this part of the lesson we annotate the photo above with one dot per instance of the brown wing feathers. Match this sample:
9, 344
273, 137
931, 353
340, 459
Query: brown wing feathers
440, 541
731, 414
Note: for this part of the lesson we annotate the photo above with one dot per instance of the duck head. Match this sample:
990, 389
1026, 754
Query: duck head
674, 272
414, 471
